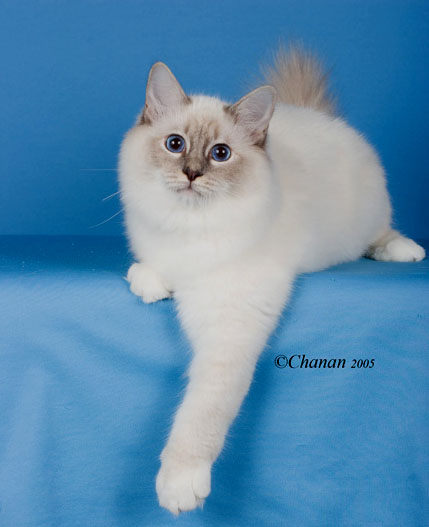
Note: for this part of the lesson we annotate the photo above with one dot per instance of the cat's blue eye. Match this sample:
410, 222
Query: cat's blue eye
221, 152
175, 143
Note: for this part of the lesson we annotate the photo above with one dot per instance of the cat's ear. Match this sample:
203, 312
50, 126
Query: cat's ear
254, 111
163, 93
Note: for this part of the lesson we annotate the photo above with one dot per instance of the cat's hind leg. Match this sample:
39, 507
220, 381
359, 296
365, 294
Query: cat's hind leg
146, 283
393, 247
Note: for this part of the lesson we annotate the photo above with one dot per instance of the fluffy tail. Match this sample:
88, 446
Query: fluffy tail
299, 79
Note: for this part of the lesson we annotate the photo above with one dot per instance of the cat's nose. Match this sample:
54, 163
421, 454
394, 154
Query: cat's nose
192, 174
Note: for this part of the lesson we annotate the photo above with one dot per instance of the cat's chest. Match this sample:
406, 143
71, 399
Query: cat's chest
181, 256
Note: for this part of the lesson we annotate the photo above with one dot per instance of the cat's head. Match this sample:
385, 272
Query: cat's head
198, 147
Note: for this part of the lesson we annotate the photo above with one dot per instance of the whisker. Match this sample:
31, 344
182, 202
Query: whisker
111, 195
105, 221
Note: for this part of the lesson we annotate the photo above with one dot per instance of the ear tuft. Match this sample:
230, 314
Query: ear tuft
163, 93
254, 112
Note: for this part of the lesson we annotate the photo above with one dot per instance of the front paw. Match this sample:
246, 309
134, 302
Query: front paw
182, 483
146, 283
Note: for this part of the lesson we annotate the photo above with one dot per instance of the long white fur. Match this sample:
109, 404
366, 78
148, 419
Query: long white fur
316, 199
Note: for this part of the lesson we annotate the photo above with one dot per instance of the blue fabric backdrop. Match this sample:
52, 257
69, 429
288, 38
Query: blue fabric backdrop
90, 377
73, 78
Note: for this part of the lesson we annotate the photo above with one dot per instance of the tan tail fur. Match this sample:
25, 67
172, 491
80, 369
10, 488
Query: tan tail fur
299, 79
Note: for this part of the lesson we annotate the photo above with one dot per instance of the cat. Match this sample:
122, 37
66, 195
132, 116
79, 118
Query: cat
224, 205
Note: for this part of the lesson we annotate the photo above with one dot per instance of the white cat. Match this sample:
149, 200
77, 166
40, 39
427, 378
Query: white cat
224, 205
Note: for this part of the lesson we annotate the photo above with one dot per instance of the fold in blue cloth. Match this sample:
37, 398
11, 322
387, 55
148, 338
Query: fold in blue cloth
90, 378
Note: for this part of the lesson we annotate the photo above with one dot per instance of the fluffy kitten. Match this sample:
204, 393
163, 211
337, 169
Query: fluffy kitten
225, 204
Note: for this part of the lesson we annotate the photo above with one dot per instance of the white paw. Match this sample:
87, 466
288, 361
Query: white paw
182, 484
146, 283
400, 249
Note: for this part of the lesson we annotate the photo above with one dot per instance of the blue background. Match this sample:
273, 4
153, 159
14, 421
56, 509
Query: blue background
73, 78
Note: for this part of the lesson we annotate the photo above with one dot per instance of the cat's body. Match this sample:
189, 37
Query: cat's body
308, 194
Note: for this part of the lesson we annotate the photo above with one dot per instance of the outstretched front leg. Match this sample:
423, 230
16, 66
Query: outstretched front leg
228, 317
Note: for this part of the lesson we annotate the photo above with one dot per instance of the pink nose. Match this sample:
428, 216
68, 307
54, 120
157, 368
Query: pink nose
191, 174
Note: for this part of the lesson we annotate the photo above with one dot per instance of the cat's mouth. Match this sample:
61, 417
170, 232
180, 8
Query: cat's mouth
189, 190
